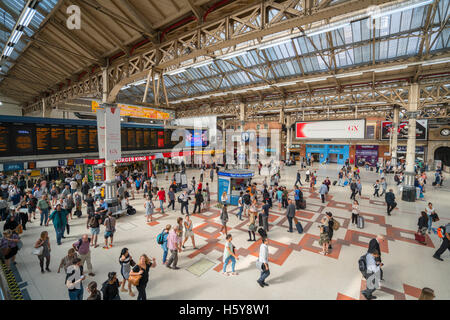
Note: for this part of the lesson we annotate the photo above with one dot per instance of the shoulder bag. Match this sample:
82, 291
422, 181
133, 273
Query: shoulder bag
134, 279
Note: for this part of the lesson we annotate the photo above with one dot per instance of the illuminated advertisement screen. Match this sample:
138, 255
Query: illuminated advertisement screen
23, 139
196, 138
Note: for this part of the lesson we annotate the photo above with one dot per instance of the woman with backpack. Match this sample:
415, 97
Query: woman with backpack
149, 206
126, 262
162, 241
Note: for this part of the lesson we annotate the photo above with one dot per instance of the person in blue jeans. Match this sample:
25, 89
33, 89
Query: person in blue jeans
430, 210
74, 278
164, 244
43, 205
240, 205
229, 255
263, 260
59, 218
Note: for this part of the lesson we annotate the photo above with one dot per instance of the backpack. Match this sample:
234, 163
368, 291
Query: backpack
246, 199
336, 225
93, 223
396, 178
160, 238
362, 264
441, 232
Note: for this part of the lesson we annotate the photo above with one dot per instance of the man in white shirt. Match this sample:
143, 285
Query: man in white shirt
372, 275
263, 260
73, 186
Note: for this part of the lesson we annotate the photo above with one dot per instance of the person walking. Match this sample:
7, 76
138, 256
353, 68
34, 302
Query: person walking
374, 246
82, 247
324, 239
110, 229
93, 223
371, 275
323, 191
188, 233
383, 185
422, 224
164, 244
298, 179
265, 216
67, 261
8, 246
376, 188
359, 186
126, 262
59, 219
229, 254
171, 195
184, 199
74, 280
290, 213
298, 197
430, 211
149, 206
173, 244
43, 205
198, 201
110, 287
224, 218
354, 188
445, 245
263, 263
162, 199
330, 222
355, 212
389, 197
94, 293
44, 243
141, 270
240, 205
252, 222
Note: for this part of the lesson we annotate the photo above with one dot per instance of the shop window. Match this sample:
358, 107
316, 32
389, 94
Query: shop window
370, 132
266, 126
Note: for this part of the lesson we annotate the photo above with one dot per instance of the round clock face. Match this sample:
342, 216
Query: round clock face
445, 132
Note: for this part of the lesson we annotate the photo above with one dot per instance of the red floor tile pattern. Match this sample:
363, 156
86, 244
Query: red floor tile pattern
310, 243
354, 237
407, 290
398, 234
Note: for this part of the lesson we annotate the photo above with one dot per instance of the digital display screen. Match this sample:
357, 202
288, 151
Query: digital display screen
42, 138
93, 139
131, 139
196, 138
124, 139
57, 136
139, 139
160, 139
23, 139
153, 139
147, 138
83, 138
4, 139
70, 135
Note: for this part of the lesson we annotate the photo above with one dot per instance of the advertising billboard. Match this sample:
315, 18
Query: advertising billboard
421, 130
196, 138
341, 129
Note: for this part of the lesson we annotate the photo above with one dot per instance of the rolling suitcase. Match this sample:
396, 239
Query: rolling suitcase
334, 182
360, 223
303, 204
262, 233
78, 213
419, 237
299, 227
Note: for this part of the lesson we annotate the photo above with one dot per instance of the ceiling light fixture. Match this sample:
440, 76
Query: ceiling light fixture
176, 71
407, 5
202, 63
400, 67
327, 28
315, 79
351, 74
437, 61
26, 18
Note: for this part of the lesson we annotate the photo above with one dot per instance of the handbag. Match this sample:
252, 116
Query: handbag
37, 251
259, 265
19, 229
435, 217
134, 279
252, 227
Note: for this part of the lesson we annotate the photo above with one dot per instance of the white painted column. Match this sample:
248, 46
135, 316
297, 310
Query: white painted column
288, 137
394, 134
409, 191
242, 109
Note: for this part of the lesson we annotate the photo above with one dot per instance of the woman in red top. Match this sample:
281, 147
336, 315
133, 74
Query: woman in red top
162, 198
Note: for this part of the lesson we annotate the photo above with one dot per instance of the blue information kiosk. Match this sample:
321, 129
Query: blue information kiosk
233, 182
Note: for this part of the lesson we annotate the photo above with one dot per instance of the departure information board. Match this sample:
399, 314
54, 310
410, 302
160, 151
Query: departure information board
160, 139
124, 139
23, 139
4, 139
93, 138
139, 139
147, 134
57, 136
43, 137
70, 139
131, 139
83, 138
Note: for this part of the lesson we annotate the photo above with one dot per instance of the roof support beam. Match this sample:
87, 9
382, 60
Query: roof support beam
197, 11
139, 16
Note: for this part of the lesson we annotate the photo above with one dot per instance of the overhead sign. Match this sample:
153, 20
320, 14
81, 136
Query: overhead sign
101, 131
421, 130
136, 111
342, 129
112, 134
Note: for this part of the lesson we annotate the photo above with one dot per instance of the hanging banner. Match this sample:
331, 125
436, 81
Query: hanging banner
101, 131
112, 134
136, 111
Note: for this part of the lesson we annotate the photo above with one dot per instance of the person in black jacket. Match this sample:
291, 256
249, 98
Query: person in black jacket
198, 201
390, 201
354, 189
374, 246
423, 223
330, 224
110, 287
298, 179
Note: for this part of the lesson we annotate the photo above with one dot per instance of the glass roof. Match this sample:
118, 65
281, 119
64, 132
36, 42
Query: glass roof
397, 36
9, 12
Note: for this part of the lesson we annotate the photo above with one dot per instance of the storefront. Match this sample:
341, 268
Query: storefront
322, 152
366, 154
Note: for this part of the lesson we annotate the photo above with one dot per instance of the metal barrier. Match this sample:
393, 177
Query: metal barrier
8, 284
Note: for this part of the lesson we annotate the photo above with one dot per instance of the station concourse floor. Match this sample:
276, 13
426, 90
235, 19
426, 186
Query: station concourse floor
298, 271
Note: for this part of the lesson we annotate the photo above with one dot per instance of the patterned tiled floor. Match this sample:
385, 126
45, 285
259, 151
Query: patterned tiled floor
298, 271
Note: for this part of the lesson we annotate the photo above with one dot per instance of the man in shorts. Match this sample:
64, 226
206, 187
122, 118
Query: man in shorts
110, 228
93, 222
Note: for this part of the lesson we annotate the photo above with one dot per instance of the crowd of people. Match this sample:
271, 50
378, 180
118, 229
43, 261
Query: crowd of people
60, 199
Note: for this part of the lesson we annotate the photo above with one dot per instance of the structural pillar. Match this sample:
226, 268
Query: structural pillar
394, 135
288, 137
409, 190
242, 115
